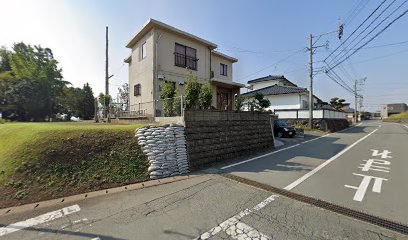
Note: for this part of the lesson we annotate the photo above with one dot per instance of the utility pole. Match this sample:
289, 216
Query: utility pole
356, 95
311, 49
106, 112
311, 82
355, 101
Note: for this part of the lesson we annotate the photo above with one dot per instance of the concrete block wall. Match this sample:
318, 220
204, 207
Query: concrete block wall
214, 136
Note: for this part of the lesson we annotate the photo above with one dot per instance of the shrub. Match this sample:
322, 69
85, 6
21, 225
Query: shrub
192, 91
239, 103
168, 94
205, 96
259, 103
177, 104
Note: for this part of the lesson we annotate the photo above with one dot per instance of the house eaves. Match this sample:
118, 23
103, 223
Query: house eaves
152, 23
276, 90
267, 78
222, 55
128, 59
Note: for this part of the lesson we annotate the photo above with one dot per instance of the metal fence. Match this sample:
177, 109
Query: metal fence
170, 107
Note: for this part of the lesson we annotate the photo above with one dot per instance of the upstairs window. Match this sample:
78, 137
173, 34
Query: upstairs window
137, 90
185, 57
143, 51
223, 69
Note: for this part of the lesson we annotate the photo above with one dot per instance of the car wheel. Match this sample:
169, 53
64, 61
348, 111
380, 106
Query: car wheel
280, 134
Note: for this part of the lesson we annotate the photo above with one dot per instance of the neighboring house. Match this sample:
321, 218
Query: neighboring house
270, 80
282, 93
390, 109
163, 53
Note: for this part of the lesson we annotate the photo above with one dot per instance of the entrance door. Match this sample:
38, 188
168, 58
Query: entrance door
224, 99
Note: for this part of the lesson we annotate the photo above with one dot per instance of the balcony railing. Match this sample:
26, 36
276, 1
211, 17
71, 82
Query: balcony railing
182, 60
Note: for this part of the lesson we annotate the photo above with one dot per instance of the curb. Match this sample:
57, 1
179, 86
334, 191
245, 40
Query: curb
88, 195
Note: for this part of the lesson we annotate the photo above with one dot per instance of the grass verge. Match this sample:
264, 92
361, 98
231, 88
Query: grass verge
40, 161
400, 115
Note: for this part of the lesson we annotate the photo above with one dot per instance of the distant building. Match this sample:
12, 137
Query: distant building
394, 108
282, 93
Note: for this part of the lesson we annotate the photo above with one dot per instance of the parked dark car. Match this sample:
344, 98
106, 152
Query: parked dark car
282, 129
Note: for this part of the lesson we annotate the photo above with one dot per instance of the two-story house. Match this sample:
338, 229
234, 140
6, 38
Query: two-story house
163, 53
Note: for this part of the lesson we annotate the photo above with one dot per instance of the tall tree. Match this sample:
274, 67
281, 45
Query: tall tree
37, 77
124, 96
88, 102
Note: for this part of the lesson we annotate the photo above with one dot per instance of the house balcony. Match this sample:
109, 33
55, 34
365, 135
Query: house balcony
182, 60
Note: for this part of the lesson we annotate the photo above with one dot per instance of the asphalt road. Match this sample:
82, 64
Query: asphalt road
210, 206
383, 190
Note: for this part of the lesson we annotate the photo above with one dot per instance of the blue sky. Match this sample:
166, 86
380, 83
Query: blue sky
268, 37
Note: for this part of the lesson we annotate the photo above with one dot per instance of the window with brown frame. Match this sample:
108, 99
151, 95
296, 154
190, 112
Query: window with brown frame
137, 90
185, 56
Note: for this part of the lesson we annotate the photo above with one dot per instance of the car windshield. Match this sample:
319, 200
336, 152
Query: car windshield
282, 123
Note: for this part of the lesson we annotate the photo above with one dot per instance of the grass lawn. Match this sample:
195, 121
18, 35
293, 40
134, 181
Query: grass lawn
45, 160
401, 115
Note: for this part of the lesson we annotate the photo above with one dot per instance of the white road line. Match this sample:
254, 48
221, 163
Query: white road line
314, 139
311, 173
47, 217
252, 159
242, 231
283, 149
235, 219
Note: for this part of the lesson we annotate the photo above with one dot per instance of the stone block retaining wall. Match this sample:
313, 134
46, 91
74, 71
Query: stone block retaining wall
214, 136
327, 125
165, 148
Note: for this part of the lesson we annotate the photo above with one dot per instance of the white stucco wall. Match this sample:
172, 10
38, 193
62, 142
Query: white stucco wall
284, 101
260, 85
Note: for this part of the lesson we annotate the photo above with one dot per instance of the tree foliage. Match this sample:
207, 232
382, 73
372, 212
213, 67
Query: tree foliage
239, 103
79, 102
205, 96
30, 82
124, 96
167, 95
337, 103
259, 103
192, 91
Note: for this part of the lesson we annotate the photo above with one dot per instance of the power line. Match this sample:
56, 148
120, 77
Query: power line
337, 56
371, 39
271, 65
356, 10
365, 20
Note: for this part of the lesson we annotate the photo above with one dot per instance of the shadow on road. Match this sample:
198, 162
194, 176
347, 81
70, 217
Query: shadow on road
63, 232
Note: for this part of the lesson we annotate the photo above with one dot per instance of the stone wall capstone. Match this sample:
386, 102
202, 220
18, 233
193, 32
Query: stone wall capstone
214, 136
165, 148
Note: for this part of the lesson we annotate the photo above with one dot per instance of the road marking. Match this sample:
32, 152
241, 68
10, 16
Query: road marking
234, 219
362, 188
311, 140
242, 231
252, 159
311, 173
369, 165
283, 149
47, 217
